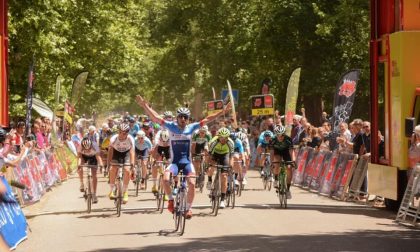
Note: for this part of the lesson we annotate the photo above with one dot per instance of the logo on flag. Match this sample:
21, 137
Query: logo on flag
347, 88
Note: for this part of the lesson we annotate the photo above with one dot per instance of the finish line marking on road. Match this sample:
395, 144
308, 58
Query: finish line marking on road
201, 206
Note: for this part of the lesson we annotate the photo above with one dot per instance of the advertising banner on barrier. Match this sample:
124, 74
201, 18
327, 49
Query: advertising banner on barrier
13, 224
340, 170
312, 169
304, 155
320, 170
345, 179
328, 175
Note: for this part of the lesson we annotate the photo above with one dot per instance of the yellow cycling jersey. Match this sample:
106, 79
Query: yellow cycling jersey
215, 146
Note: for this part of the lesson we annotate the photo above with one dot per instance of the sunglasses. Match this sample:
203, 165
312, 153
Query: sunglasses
365, 126
183, 116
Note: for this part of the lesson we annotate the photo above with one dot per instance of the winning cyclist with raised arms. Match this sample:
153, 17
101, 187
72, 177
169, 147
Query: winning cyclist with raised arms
180, 142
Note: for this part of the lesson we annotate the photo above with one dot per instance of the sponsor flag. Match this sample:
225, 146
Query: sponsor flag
232, 101
77, 88
291, 99
343, 103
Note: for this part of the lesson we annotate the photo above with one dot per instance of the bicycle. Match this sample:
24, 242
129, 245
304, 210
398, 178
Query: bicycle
201, 177
88, 195
216, 190
282, 180
160, 195
240, 179
119, 186
180, 202
267, 178
231, 189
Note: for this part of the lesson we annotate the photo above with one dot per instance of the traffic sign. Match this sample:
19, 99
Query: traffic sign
235, 94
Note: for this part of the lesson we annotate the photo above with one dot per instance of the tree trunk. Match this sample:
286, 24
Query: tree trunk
313, 109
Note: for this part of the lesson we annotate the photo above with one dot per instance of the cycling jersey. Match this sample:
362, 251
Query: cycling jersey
200, 142
180, 141
147, 144
133, 130
282, 148
122, 145
215, 147
238, 147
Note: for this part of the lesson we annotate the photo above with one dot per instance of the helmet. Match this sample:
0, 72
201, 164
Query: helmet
92, 128
223, 132
146, 124
267, 133
168, 114
141, 133
242, 136
124, 127
183, 111
156, 126
131, 119
86, 143
204, 128
233, 136
279, 130
164, 135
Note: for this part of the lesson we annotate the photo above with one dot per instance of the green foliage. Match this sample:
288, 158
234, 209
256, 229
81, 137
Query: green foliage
171, 51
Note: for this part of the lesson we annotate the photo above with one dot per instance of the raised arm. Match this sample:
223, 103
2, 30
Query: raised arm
149, 111
214, 116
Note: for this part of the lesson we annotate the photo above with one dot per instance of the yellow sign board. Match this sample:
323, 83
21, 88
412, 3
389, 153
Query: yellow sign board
263, 111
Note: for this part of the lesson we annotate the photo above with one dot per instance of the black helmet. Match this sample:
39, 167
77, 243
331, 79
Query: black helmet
3, 134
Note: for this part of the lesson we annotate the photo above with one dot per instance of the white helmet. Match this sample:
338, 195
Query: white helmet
205, 128
105, 126
417, 130
141, 133
164, 135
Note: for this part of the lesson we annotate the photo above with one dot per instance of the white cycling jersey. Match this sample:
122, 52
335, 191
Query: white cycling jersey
122, 145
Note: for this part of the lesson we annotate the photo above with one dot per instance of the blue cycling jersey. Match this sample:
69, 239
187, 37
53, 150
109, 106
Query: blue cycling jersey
147, 144
238, 147
180, 141
133, 131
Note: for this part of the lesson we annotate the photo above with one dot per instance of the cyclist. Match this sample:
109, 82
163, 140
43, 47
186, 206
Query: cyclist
161, 150
134, 126
180, 142
121, 151
282, 146
168, 116
88, 153
247, 154
238, 155
200, 140
221, 149
263, 144
143, 147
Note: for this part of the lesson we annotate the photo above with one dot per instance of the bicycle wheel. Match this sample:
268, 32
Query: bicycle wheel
182, 211
232, 192
138, 178
269, 181
119, 198
215, 196
240, 186
284, 189
159, 197
162, 196
177, 212
89, 196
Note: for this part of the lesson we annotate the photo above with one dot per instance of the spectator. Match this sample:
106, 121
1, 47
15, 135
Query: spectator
325, 145
344, 138
297, 129
315, 138
324, 117
414, 151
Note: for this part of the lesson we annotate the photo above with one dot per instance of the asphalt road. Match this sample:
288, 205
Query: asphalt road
311, 223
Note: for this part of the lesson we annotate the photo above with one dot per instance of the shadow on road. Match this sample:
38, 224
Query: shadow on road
352, 210
374, 240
